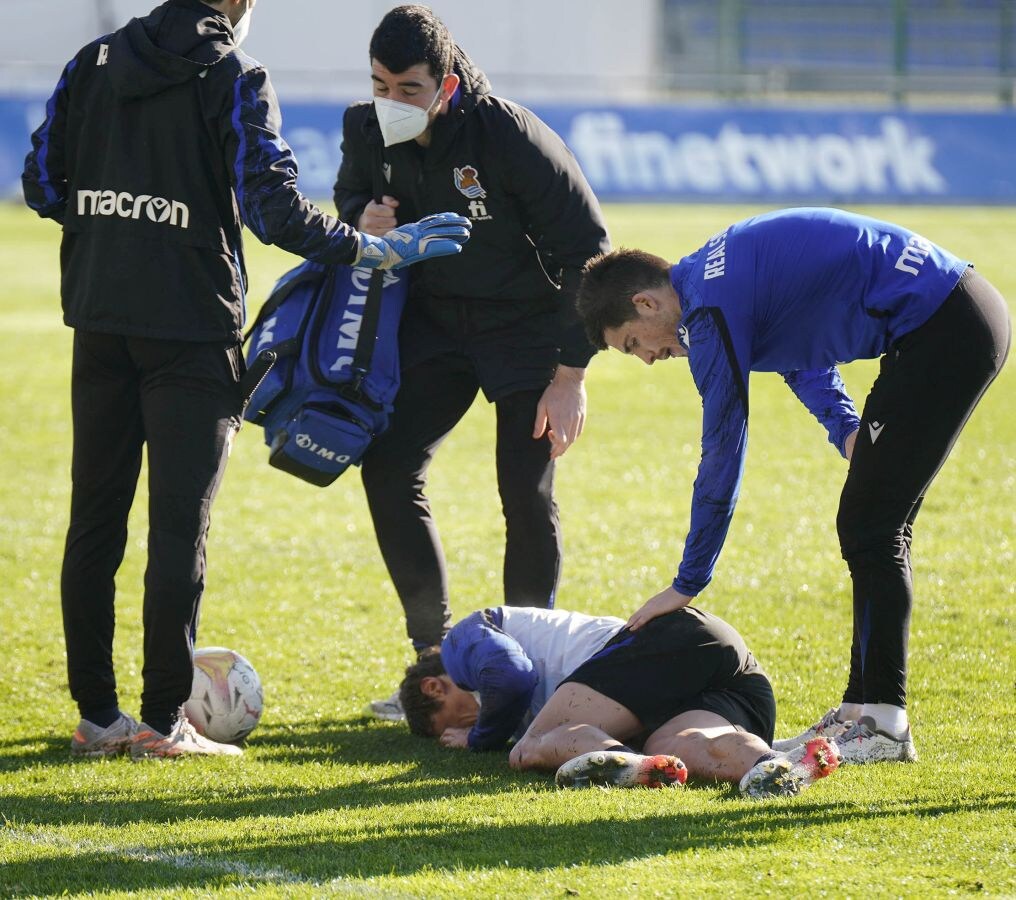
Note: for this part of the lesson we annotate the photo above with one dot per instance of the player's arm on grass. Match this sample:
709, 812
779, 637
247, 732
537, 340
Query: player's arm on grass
719, 367
822, 391
479, 654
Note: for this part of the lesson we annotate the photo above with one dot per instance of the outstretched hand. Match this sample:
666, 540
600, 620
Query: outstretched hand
561, 412
437, 235
664, 602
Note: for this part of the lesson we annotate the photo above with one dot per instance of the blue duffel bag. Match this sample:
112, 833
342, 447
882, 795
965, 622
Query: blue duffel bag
323, 366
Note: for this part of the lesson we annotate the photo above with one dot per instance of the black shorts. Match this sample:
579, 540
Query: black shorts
683, 661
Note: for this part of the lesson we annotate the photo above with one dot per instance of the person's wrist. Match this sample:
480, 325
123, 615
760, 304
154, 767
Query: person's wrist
374, 253
569, 373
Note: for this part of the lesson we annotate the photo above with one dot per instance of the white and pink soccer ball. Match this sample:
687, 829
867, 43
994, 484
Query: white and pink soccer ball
226, 699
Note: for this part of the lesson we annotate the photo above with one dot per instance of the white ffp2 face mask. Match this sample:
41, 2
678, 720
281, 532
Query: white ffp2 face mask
402, 121
242, 28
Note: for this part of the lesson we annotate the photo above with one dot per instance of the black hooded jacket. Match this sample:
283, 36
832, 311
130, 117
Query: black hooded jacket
535, 218
159, 140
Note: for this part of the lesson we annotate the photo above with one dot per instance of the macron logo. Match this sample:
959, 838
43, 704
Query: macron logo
103, 55
875, 429
127, 206
913, 255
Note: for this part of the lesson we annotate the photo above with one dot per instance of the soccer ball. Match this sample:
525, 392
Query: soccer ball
226, 699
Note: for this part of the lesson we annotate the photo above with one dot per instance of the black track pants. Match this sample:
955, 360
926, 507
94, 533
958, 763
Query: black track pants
434, 396
182, 400
928, 385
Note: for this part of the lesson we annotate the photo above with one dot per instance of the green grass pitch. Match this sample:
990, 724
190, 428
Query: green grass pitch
326, 802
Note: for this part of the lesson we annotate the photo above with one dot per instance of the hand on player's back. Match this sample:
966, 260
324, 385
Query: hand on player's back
664, 602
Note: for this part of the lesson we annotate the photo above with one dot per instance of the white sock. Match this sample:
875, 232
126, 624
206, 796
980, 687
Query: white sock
888, 718
849, 712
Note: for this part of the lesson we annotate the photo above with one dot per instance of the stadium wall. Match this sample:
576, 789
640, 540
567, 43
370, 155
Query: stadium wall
708, 154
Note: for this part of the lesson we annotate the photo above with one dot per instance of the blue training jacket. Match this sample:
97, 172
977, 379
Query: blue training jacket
796, 291
159, 141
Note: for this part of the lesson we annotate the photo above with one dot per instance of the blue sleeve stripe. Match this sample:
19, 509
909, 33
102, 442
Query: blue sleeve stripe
728, 347
241, 152
44, 178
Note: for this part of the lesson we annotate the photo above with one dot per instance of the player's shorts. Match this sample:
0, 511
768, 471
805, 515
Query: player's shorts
683, 661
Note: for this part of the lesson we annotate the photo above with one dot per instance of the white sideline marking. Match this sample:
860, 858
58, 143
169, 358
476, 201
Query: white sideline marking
188, 861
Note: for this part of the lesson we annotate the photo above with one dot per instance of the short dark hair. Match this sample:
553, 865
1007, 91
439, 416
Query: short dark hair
410, 35
418, 707
609, 281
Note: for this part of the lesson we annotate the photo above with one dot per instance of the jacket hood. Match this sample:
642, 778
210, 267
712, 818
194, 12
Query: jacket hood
174, 43
473, 82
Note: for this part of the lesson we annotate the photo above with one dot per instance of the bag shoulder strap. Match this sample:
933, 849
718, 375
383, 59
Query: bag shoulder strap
367, 338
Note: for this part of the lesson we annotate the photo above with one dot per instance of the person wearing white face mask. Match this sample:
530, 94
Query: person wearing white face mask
499, 318
241, 26
160, 141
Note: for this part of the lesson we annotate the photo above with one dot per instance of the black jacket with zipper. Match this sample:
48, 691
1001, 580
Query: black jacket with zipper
159, 140
534, 228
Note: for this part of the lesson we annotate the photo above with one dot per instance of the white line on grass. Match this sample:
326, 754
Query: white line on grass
188, 861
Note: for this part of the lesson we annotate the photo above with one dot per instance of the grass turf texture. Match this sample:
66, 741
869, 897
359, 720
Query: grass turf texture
326, 802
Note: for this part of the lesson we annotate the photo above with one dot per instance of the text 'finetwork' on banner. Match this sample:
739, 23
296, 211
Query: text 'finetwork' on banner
706, 154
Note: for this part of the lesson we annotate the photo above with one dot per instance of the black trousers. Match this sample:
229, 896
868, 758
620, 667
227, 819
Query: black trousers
181, 399
433, 397
928, 385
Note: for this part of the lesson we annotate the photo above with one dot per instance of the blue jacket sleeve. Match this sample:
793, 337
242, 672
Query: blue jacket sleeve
264, 174
44, 179
722, 380
825, 395
479, 656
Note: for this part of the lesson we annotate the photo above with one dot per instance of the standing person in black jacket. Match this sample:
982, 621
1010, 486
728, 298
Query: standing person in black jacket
159, 141
500, 320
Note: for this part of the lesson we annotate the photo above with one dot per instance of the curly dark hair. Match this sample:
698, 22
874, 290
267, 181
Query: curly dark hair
409, 35
609, 281
418, 707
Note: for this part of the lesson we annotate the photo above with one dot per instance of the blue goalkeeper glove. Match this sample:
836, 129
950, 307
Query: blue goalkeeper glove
437, 235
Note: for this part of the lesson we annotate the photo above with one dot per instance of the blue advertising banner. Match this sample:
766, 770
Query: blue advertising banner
705, 154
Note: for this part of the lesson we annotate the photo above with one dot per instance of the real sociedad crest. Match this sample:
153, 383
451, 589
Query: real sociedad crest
467, 182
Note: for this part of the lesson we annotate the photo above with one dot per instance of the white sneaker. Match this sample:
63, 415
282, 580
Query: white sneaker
389, 710
790, 773
617, 768
92, 741
182, 740
864, 743
828, 727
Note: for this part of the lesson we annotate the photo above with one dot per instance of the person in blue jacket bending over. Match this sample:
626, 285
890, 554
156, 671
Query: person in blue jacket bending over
576, 693
798, 291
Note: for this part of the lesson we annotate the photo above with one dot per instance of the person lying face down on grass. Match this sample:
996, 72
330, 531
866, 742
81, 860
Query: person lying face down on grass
578, 692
